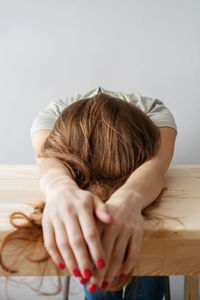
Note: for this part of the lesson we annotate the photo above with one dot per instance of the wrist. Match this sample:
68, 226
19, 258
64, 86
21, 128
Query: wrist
145, 183
134, 198
130, 197
48, 185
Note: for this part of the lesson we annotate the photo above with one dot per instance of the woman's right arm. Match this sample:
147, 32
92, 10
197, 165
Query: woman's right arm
68, 218
50, 170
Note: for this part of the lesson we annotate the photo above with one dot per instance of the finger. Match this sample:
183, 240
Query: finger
100, 228
108, 242
50, 242
96, 278
65, 248
78, 245
133, 252
92, 237
118, 253
101, 211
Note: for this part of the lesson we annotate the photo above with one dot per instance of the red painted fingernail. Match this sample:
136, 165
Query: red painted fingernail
87, 273
92, 287
100, 263
121, 276
83, 280
61, 265
76, 272
104, 285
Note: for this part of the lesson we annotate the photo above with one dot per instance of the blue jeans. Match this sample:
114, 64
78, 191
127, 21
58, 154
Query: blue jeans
148, 288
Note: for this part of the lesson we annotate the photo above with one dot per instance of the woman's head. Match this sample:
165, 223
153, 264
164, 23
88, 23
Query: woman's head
101, 140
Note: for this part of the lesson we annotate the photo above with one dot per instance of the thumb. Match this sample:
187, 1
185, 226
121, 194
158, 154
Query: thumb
101, 211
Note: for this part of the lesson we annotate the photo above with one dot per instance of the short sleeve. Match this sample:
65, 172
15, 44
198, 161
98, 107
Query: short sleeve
47, 117
157, 111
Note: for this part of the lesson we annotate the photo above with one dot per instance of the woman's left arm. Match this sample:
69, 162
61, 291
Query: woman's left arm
126, 204
147, 181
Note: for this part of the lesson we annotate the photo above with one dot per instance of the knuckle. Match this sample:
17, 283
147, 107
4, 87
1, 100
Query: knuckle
128, 228
50, 213
84, 203
87, 194
68, 207
77, 241
62, 245
50, 246
91, 235
53, 215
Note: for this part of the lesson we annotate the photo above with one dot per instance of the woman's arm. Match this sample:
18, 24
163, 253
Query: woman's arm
69, 229
51, 170
147, 181
126, 204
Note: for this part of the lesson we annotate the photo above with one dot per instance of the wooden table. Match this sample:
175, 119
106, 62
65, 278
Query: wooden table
176, 252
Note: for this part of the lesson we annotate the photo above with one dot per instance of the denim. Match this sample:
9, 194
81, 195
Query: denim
148, 288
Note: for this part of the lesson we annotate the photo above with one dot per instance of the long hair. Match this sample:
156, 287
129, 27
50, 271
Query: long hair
101, 140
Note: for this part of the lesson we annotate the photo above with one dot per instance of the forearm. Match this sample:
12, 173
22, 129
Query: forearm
146, 182
52, 172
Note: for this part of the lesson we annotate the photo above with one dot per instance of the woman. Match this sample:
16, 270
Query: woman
106, 146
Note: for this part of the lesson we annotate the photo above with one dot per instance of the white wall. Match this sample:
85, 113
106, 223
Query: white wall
50, 49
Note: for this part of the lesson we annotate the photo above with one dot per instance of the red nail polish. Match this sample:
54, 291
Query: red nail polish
100, 263
92, 287
61, 265
83, 280
76, 272
104, 285
121, 276
87, 273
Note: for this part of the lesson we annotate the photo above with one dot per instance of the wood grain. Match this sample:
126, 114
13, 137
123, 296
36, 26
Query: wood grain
172, 252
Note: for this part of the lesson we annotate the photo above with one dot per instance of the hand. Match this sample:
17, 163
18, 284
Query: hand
124, 234
69, 229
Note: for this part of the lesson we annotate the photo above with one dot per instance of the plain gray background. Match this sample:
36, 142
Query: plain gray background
50, 49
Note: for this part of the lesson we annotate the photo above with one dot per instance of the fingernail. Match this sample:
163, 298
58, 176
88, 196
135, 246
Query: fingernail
87, 273
83, 280
61, 265
104, 285
121, 276
100, 263
76, 272
92, 287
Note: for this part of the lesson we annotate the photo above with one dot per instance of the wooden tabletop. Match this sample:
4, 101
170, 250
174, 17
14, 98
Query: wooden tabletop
176, 252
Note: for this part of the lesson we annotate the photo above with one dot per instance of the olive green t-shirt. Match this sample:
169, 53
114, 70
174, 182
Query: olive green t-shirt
154, 108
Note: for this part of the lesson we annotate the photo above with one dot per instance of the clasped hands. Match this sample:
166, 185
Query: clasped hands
77, 232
